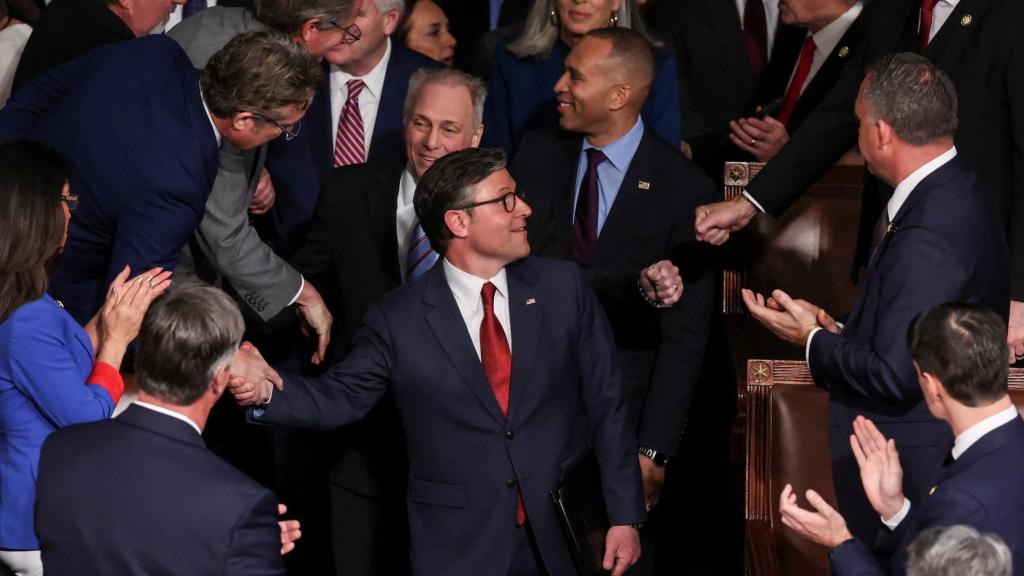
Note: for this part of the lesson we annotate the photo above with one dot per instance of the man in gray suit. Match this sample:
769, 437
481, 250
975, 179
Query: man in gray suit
226, 246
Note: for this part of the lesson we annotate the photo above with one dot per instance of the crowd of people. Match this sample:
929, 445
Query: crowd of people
381, 274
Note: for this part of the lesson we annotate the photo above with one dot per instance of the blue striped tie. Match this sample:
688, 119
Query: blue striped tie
421, 256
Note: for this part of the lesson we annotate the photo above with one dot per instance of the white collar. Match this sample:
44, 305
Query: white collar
406, 187
209, 116
466, 287
171, 413
374, 79
968, 437
904, 188
826, 39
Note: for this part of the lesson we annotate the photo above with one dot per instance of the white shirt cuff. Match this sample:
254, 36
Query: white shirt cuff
302, 284
893, 522
807, 347
754, 202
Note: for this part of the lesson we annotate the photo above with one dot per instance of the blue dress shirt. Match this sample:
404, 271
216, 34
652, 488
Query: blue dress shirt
610, 172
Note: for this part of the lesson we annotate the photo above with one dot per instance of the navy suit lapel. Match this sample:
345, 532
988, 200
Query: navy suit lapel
525, 311
162, 424
726, 21
994, 440
631, 201
446, 322
321, 125
945, 48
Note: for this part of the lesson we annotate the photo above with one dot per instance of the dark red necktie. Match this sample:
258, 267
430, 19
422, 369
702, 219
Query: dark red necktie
755, 35
584, 226
497, 360
927, 11
803, 69
348, 143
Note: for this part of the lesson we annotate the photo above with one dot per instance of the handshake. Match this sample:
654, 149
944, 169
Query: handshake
252, 380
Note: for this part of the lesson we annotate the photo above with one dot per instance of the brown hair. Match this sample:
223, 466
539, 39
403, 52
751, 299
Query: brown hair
31, 220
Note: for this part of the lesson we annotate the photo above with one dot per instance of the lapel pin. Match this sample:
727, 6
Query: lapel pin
844, 51
966, 20
644, 185
530, 301
932, 491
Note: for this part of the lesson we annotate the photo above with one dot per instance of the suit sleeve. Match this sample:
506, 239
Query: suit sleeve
233, 246
662, 109
346, 392
32, 103
882, 368
1015, 85
611, 437
255, 548
855, 559
46, 373
497, 107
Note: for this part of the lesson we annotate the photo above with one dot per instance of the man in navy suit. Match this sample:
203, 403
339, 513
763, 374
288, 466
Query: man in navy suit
140, 127
959, 354
503, 370
141, 494
375, 72
940, 242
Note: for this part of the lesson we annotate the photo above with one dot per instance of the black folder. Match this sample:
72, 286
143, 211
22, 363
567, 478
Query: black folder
582, 514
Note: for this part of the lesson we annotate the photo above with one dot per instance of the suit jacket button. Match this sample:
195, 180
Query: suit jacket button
509, 435
510, 483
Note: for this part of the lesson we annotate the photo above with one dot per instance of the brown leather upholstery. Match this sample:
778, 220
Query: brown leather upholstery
786, 442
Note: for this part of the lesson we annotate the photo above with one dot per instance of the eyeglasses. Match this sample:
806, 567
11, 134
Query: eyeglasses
71, 200
508, 201
351, 33
290, 131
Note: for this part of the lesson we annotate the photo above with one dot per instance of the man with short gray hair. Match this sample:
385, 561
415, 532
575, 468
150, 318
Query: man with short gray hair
938, 241
958, 551
141, 494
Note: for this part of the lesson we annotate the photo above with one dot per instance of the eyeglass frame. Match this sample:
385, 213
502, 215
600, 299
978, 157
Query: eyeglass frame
350, 34
515, 197
71, 200
288, 134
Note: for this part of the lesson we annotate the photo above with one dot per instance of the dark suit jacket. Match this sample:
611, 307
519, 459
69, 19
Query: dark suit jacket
298, 166
981, 489
471, 20
143, 156
661, 351
467, 462
946, 247
141, 494
350, 253
981, 49
68, 29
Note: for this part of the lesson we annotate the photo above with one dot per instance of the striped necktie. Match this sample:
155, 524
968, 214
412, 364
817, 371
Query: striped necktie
348, 145
421, 256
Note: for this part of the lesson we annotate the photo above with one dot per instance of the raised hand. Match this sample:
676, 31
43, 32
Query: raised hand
824, 525
880, 469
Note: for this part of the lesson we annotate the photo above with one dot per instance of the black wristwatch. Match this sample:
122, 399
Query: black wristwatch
659, 458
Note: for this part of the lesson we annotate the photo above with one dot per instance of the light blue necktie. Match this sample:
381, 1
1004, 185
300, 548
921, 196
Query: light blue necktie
421, 256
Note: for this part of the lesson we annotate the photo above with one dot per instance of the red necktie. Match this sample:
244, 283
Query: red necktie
348, 145
927, 11
584, 226
803, 69
755, 35
497, 361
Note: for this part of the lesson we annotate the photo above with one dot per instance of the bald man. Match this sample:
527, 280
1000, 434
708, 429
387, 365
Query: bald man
609, 194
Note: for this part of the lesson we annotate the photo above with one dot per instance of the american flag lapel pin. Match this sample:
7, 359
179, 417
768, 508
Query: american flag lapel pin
530, 301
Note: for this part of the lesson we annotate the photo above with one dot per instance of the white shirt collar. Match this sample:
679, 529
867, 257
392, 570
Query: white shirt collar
170, 413
904, 188
826, 39
968, 437
466, 287
406, 187
216, 133
374, 79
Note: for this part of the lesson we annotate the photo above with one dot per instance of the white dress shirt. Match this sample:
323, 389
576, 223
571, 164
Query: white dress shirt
940, 14
171, 413
369, 98
175, 16
899, 196
771, 19
963, 441
826, 40
405, 216
466, 289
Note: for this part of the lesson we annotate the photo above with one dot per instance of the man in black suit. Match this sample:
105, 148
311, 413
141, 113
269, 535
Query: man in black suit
617, 216
958, 353
140, 494
942, 244
979, 45
801, 73
67, 29
472, 20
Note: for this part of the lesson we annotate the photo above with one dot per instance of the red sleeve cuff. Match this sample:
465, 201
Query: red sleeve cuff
107, 377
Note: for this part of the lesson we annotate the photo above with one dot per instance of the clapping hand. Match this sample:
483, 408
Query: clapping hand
824, 525
880, 469
289, 531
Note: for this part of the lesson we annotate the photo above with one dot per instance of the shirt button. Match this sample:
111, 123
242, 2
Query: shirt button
509, 435
510, 483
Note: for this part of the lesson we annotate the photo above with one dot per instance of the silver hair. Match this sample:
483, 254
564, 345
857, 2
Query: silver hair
289, 16
187, 336
913, 96
958, 551
385, 6
452, 77
540, 33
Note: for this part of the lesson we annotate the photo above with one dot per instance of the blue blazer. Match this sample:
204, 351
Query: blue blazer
129, 119
981, 489
298, 167
467, 461
141, 494
521, 97
45, 360
946, 245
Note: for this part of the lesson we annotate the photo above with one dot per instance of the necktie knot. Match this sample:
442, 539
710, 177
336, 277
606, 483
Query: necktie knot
487, 293
595, 157
355, 86
928, 5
